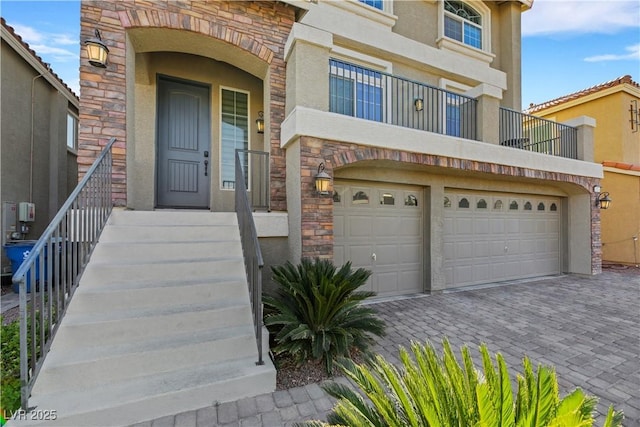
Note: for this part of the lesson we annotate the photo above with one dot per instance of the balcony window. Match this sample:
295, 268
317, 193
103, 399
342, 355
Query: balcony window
463, 23
355, 91
378, 4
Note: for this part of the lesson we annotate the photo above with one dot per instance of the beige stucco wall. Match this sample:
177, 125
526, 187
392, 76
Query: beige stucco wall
141, 150
44, 175
621, 222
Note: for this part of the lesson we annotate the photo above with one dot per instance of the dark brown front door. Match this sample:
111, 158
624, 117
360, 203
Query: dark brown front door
183, 144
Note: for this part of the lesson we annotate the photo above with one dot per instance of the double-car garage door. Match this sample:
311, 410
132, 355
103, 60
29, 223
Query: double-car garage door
488, 237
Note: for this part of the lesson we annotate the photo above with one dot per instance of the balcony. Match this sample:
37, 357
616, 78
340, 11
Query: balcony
373, 95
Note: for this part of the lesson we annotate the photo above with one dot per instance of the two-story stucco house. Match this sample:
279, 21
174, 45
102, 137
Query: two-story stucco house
410, 108
403, 103
614, 104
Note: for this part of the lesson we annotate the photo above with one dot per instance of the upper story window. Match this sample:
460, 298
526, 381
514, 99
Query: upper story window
378, 4
464, 27
72, 131
463, 23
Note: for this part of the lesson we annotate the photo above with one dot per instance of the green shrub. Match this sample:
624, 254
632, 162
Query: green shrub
433, 391
317, 312
10, 368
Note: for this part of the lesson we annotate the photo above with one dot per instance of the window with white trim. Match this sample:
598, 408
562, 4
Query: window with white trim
463, 23
355, 91
72, 131
234, 134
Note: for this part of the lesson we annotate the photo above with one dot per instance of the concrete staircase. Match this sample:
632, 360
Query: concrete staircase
160, 324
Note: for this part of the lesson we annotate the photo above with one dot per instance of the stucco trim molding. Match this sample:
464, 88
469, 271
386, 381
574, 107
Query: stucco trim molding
309, 122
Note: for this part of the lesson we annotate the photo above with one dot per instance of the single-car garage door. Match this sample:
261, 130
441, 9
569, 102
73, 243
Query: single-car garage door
490, 237
380, 227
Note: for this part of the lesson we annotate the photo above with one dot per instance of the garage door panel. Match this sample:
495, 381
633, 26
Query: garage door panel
359, 226
481, 249
464, 250
463, 225
386, 255
407, 278
387, 283
411, 253
338, 226
481, 226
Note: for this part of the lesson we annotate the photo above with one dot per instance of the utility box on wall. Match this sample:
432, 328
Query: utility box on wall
9, 221
26, 212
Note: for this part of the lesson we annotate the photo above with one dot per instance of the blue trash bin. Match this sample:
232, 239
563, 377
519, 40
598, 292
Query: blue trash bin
17, 252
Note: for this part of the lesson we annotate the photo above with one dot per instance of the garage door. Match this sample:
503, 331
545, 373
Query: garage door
495, 237
380, 228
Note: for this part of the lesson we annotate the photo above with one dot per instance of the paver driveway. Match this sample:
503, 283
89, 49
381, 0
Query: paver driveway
587, 327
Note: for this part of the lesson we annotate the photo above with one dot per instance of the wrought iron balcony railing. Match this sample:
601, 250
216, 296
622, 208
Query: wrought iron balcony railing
372, 95
527, 132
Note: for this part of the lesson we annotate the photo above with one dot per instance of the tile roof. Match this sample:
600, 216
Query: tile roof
593, 89
619, 165
33, 53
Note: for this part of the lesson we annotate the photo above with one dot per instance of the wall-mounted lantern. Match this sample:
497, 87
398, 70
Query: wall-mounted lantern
603, 201
260, 122
419, 104
97, 51
322, 180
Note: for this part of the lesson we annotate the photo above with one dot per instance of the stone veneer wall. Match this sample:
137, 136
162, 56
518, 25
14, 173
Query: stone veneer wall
317, 212
260, 28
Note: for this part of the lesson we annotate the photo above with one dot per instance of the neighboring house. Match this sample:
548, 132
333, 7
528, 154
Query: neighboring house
412, 107
38, 138
615, 106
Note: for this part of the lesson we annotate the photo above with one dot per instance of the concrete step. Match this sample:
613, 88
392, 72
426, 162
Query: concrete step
97, 275
141, 399
81, 330
143, 252
81, 371
95, 300
169, 233
172, 218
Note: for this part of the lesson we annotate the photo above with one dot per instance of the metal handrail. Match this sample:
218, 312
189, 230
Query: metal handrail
532, 133
251, 250
257, 175
56, 262
374, 95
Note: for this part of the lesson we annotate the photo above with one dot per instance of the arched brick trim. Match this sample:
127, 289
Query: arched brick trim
346, 155
133, 18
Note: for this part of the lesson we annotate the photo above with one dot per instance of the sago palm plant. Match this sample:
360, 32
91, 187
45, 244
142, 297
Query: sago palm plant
317, 312
433, 391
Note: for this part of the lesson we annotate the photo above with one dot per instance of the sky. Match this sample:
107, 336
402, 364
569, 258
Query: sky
567, 45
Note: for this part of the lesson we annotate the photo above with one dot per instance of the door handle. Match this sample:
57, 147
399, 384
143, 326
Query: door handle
206, 164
